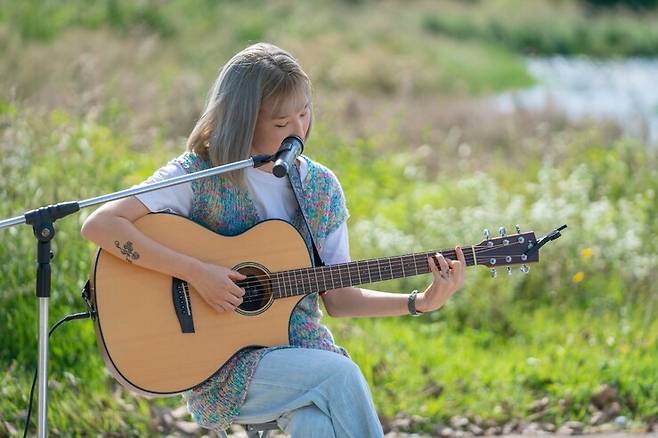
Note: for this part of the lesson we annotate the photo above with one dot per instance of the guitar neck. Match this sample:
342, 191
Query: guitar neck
308, 280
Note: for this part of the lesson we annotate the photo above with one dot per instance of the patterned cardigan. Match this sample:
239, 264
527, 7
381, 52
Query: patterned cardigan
226, 208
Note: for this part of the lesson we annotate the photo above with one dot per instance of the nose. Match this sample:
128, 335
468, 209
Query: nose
298, 127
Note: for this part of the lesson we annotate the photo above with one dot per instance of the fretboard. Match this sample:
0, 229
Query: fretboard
308, 280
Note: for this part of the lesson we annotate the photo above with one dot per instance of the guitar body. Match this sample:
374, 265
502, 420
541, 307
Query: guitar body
138, 330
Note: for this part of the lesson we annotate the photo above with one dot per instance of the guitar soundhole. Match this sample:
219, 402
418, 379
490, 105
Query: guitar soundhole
258, 289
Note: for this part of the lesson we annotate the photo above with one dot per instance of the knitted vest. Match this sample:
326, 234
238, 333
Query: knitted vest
226, 208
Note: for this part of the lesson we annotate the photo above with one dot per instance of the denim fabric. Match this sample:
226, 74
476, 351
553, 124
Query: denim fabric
311, 393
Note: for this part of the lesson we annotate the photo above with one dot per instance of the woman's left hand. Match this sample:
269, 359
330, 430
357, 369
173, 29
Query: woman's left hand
448, 279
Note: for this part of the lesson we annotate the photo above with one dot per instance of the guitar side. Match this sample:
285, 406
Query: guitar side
137, 328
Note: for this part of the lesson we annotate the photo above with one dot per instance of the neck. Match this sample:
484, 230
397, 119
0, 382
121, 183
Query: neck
308, 280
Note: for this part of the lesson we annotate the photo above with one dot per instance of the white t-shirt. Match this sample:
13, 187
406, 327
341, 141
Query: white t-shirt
272, 196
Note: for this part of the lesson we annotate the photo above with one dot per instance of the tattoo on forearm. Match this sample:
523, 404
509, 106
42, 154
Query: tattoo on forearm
127, 250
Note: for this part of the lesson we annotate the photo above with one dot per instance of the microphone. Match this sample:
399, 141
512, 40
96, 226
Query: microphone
290, 148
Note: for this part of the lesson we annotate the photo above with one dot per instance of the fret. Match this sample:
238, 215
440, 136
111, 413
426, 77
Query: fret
358, 273
295, 285
331, 273
306, 281
350, 280
276, 288
282, 284
402, 265
369, 276
309, 282
362, 272
288, 282
317, 283
302, 280
415, 264
390, 267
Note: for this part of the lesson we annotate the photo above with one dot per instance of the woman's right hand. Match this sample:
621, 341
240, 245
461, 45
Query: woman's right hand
216, 285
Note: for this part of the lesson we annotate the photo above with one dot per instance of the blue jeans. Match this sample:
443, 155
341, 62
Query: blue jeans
311, 393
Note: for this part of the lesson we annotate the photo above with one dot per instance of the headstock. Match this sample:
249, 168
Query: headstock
507, 250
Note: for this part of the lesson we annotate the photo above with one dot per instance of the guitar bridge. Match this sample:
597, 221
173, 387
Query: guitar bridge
182, 305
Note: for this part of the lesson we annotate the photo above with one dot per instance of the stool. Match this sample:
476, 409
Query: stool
256, 430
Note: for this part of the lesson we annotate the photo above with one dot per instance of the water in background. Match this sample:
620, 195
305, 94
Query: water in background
622, 91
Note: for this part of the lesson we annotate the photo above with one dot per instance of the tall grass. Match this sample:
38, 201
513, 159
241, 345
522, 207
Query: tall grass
543, 28
584, 316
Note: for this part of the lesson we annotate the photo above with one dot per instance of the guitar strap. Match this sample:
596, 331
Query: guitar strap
296, 183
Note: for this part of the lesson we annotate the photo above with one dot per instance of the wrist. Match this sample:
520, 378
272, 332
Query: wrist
191, 269
421, 305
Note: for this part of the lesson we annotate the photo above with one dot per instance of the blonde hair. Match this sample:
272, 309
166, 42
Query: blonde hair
261, 72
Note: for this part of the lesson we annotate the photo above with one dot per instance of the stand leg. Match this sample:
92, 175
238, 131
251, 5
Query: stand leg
42, 429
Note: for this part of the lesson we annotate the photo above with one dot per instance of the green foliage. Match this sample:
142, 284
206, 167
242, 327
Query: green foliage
565, 329
552, 29
43, 20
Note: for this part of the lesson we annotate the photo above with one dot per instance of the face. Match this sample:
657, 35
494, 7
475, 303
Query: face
276, 122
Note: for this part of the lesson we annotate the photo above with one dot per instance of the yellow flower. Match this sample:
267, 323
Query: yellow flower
586, 253
578, 277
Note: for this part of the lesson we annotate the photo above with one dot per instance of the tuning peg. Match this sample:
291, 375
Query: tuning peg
502, 231
493, 272
487, 235
509, 270
525, 269
518, 229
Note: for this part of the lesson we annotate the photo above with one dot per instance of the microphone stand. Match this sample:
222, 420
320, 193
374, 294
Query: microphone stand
42, 220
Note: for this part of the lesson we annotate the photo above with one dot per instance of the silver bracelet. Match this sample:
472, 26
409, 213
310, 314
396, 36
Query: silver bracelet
411, 304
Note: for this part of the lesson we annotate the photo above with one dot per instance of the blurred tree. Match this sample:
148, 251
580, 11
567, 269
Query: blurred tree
631, 4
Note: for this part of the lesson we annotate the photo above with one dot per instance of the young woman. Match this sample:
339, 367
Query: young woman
311, 388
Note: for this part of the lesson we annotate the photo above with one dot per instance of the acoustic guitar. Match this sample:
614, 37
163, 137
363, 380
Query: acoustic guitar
159, 337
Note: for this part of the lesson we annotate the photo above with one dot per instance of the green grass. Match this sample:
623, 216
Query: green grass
548, 28
494, 349
430, 369
538, 27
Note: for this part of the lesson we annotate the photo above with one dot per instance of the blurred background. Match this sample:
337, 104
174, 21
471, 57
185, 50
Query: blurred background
440, 118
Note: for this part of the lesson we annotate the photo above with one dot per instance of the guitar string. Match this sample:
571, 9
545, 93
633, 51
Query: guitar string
468, 257
344, 269
259, 287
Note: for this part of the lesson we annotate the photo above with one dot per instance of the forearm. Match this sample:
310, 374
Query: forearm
116, 235
353, 302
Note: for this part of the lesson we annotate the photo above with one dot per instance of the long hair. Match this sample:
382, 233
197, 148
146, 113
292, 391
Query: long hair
261, 72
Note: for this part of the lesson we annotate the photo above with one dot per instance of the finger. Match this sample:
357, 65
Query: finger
462, 259
443, 264
434, 268
234, 300
227, 305
234, 289
238, 292
235, 275
460, 254
218, 307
